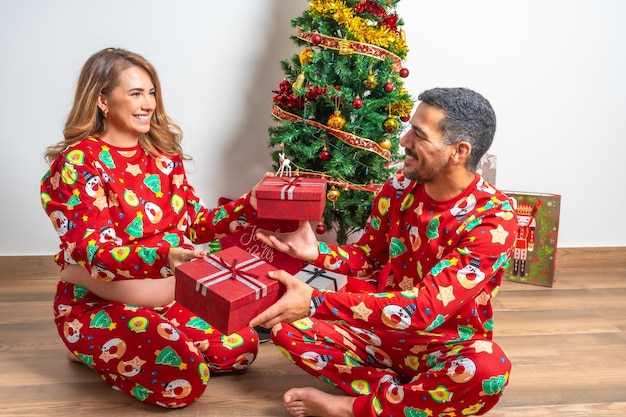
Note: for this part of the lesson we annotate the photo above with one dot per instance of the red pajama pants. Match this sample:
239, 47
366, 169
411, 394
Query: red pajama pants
161, 356
398, 374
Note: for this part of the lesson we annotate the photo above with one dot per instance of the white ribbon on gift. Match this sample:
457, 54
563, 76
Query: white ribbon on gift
222, 274
286, 192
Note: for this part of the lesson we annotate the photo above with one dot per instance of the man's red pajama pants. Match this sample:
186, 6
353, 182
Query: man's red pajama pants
398, 373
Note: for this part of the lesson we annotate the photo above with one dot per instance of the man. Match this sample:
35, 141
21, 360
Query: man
424, 346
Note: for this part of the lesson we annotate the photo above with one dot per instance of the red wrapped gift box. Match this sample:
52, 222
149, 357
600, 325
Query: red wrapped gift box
291, 198
227, 288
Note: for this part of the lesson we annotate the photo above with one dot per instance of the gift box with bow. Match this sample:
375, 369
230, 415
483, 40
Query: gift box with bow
291, 198
321, 278
227, 288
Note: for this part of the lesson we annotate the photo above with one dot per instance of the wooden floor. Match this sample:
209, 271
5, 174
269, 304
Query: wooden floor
567, 344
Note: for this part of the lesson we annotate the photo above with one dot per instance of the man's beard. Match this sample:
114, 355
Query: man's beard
411, 174
415, 175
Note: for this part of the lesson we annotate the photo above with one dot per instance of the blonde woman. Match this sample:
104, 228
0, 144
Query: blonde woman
118, 197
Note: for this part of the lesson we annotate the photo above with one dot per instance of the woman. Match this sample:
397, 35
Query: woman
118, 197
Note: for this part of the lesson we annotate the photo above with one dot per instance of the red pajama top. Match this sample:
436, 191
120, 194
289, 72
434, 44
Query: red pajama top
447, 261
118, 211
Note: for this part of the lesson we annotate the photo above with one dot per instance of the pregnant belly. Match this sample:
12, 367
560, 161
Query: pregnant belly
139, 292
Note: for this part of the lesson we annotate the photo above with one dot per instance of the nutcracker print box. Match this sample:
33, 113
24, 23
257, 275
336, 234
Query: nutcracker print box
534, 254
227, 288
291, 198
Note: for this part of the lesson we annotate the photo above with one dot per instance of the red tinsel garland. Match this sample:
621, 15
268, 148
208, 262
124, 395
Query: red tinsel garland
286, 98
314, 92
376, 10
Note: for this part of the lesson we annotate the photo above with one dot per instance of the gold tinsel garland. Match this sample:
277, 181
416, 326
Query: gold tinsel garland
360, 28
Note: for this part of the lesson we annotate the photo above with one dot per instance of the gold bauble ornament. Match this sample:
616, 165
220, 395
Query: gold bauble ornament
299, 83
333, 194
390, 125
336, 120
306, 56
385, 144
370, 82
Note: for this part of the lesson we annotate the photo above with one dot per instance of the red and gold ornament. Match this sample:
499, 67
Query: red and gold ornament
324, 154
299, 82
390, 125
389, 87
316, 38
336, 120
370, 81
333, 194
306, 56
357, 103
320, 229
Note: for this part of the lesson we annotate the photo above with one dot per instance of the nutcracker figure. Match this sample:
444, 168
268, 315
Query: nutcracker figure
525, 240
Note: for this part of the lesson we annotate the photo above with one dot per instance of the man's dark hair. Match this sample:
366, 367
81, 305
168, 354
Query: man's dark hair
469, 117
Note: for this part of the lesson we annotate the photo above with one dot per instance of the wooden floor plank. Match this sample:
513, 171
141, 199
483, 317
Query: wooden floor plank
576, 410
567, 345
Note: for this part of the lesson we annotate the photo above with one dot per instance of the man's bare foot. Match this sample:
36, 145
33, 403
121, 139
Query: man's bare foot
301, 402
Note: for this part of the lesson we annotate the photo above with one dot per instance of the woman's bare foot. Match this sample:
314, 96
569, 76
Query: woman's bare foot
301, 402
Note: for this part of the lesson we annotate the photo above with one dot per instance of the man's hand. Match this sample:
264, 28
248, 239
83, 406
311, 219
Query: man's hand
292, 306
299, 244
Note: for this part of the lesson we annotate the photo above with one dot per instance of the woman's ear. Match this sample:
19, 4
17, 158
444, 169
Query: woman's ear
102, 103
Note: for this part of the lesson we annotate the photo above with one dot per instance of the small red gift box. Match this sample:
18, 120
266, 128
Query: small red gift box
291, 198
227, 288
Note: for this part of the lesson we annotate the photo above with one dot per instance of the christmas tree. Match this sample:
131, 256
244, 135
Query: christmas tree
340, 108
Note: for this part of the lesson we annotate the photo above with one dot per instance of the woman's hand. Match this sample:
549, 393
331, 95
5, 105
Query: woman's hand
253, 199
178, 256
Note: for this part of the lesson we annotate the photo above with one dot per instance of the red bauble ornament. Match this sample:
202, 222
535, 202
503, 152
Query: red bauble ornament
316, 38
357, 103
404, 72
389, 87
405, 118
324, 155
320, 229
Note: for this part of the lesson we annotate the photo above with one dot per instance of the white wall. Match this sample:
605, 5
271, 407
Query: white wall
553, 69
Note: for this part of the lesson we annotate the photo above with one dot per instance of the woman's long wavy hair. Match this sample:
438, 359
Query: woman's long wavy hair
100, 74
